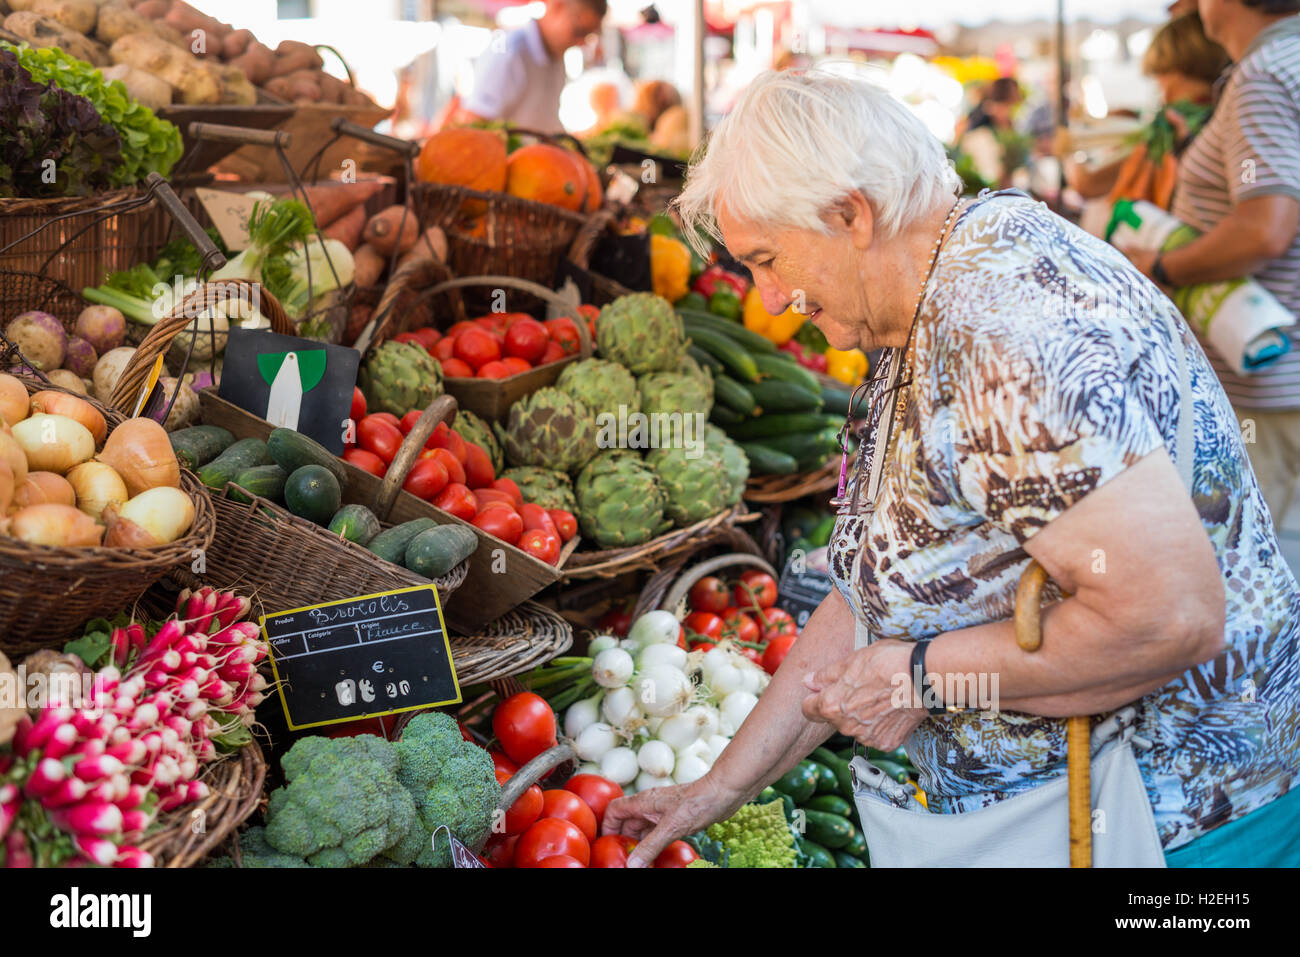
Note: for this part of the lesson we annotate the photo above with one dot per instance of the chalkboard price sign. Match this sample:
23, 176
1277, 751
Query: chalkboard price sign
361, 657
804, 583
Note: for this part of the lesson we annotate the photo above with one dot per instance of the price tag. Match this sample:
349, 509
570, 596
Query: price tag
461, 856
361, 657
229, 213
805, 582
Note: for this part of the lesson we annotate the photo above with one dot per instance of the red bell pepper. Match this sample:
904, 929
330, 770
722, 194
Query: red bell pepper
715, 278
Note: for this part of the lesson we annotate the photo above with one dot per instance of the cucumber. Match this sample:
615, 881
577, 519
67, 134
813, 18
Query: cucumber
828, 830
725, 417
802, 445
800, 782
783, 423
857, 845
436, 551
839, 766
817, 855
264, 481
243, 454
292, 450
836, 400
787, 370
312, 492
733, 395
773, 395
830, 803
826, 782
199, 444
391, 543
752, 341
766, 461
704, 359
356, 523
848, 860
767, 795
727, 351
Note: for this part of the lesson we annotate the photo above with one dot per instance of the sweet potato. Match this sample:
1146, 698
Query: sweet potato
432, 244
186, 19
76, 15
330, 202
301, 88
235, 43
42, 31
392, 228
292, 56
368, 266
256, 62
347, 229
154, 9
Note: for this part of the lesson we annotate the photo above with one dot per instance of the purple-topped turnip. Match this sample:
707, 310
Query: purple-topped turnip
40, 338
102, 326
80, 357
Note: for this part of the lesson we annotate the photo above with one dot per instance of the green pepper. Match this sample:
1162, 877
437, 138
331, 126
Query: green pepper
726, 304
692, 300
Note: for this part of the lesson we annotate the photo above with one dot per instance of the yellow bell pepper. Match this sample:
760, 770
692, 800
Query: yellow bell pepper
776, 329
920, 795
670, 267
847, 365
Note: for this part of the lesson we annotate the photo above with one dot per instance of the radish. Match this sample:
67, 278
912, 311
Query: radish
61, 741
17, 853
70, 791
49, 720
97, 849
136, 822
95, 769
45, 777
132, 857
133, 798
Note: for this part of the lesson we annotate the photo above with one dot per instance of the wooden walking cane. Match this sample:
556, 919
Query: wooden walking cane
1078, 735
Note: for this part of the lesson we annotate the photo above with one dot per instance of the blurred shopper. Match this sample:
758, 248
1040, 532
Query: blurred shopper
991, 140
520, 77
1239, 185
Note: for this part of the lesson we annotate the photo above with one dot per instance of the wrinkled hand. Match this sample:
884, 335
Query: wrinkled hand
657, 817
867, 695
1144, 260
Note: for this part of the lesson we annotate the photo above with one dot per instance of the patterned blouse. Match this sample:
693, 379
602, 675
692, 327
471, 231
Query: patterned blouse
1035, 383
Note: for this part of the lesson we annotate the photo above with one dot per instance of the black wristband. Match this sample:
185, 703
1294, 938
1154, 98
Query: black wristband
919, 683
1158, 272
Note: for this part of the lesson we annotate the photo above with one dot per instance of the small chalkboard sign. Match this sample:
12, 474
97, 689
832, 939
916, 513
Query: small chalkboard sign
804, 583
361, 657
461, 856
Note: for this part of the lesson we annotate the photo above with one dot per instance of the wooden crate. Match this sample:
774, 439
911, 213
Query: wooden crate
492, 398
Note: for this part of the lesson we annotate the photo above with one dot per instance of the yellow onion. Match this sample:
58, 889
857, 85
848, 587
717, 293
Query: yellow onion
97, 485
58, 525
164, 514
140, 452
13, 399
60, 403
6, 486
11, 453
44, 488
54, 443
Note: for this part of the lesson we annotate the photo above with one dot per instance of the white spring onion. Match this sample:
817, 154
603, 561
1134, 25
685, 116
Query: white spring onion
656, 758
705, 718
678, 732
601, 643
619, 765
751, 680
580, 715
663, 690
733, 711
619, 705
588, 767
595, 741
645, 781
670, 655
613, 668
716, 745
690, 767
725, 680
655, 627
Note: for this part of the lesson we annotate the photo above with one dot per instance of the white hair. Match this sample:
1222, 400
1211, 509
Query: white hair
795, 144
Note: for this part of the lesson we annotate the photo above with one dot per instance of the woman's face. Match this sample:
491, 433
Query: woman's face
1177, 86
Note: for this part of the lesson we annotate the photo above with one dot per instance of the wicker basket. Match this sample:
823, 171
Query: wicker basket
24, 291
663, 589
769, 489
47, 593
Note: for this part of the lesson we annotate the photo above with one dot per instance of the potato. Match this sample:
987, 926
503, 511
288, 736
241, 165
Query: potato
256, 62
202, 86
154, 9
234, 44
152, 91
151, 53
117, 20
76, 15
237, 88
42, 31
292, 57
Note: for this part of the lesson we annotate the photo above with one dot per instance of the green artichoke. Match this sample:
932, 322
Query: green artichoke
688, 366
668, 392
601, 385
398, 377
641, 331
734, 461
620, 501
473, 429
544, 487
548, 429
697, 485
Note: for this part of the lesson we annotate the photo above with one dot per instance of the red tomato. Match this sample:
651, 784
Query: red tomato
616, 621
407, 337
459, 327
477, 348
564, 331
591, 314
455, 471
611, 850
709, 594
561, 860
427, 337
486, 495
444, 437
568, 806
524, 811
554, 352
551, 837
478, 466
445, 348
358, 404
426, 479
500, 521
508, 319
493, 322
705, 623
500, 849
494, 370
676, 854
776, 651
755, 588
457, 499
377, 436
407, 422
775, 622
565, 523
502, 763
367, 461
753, 654
525, 725
535, 516
703, 646
741, 624
455, 369
541, 544
388, 417
516, 365
526, 339
681, 638
510, 488
595, 791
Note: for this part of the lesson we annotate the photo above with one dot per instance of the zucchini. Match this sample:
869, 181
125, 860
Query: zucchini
802, 445
857, 845
800, 782
768, 461
774, 395
243, 454
848, 860
817, 855
826, 782
436, 551
828, 830
767, 795
199, 444
898, 755
783, 423
733, 395
704, 359
836, 400
787, 370
391, 543
839, 766
264, 481
830, 803
356, 523
312, 492
292, 450
752, 341
727, 351
725, 417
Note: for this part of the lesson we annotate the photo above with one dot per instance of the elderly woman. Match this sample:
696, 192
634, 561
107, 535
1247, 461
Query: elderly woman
1029, 406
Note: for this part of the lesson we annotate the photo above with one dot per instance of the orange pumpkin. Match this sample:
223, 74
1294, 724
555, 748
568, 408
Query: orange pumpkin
461, 156
546, 174
595, 195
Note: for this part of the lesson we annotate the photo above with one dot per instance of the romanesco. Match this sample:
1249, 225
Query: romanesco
757, 835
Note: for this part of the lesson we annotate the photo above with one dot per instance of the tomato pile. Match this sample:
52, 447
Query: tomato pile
502, 344
559, 827
743, 612
457, 477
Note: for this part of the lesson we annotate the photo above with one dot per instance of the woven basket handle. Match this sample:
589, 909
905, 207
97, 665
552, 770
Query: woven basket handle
411, 274
159, 338
524, 285
532, 772
684, 584
592, 229
440, 409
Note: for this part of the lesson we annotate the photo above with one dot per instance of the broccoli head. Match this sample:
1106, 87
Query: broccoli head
255, 852
341, 805
452, 781
757, 835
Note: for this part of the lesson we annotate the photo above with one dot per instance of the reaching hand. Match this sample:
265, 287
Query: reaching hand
659, 816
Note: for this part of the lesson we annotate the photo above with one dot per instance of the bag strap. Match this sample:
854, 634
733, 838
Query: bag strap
1185, 442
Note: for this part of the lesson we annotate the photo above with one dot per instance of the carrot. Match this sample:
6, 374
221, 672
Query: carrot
347, 228
432, 244
367, 266
1129, 174
330, 202
1162, 189
392, 228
